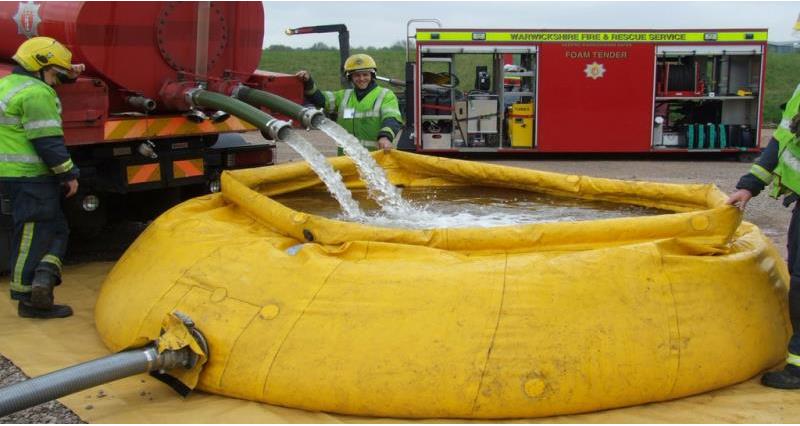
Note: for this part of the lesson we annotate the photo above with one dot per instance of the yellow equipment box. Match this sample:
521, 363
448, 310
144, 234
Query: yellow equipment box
520, 125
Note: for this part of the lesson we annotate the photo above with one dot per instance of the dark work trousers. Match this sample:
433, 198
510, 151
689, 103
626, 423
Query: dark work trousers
40, 232
793, 247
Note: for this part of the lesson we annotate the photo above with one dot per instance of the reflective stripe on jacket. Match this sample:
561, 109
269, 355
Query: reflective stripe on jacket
29, 109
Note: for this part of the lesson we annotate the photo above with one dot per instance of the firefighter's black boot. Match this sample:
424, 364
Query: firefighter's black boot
42, 289
788, 378
27, 310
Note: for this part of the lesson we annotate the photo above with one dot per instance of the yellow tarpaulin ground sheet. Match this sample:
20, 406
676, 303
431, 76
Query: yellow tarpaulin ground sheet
39, 347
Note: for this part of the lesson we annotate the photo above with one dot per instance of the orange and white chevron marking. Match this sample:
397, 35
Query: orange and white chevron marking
156, 127
143, 173
187, 168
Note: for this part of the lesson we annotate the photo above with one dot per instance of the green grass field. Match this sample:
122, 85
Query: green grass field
324, 66
781, 82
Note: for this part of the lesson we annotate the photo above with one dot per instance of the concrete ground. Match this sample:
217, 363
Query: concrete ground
765, 212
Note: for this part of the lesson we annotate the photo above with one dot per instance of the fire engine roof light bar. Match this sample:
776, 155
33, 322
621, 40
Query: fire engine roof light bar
269, 125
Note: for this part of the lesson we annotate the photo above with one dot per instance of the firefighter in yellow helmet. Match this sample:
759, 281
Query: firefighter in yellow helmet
34, 167
369, 112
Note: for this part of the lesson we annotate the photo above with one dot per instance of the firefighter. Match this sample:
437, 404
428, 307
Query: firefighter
779, 164
369, 112
34, 169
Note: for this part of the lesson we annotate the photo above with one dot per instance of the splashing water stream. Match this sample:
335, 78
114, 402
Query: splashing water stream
328, 175
380, 189
427, 210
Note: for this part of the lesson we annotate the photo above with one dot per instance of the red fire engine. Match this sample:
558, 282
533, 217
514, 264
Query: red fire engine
590, 91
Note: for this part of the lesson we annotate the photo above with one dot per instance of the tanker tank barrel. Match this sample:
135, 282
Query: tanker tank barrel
310, 118
270, 126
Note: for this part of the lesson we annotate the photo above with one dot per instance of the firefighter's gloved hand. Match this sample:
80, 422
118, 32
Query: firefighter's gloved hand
385, 144
75, 71
303, 75
739, 198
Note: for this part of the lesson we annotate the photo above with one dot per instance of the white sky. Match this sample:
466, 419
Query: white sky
382, 23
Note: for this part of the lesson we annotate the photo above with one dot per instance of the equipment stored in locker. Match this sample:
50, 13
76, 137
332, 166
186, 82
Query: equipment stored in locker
520, 124
592, 91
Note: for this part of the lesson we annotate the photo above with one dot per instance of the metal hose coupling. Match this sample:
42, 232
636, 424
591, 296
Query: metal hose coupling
277, 129
239, 91
311, 118
189, 96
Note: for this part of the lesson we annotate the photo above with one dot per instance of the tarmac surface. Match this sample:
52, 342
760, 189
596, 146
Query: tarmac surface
768, 214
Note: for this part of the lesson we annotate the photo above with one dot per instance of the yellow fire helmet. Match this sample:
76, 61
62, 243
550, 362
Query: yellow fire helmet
39, 52
359, 62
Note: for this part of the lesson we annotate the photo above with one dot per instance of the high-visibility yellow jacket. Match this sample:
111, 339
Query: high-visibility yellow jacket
376, 114
364, 118
31, 136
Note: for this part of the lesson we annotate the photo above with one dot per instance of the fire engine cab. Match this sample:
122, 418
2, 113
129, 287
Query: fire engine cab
589, 91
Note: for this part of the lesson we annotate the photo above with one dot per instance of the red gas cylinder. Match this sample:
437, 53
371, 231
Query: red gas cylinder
138, 46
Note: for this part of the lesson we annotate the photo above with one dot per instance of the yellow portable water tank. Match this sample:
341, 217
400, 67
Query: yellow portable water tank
520, 125
538, 319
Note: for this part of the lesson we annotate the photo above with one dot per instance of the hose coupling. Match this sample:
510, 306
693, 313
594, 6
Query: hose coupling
188, 359
237, 89
277, 129
310, 118
189, 96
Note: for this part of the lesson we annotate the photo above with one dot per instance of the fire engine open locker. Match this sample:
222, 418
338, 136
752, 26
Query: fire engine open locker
588, 91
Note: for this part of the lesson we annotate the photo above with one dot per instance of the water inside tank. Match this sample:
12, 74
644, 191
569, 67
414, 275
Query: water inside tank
460, 207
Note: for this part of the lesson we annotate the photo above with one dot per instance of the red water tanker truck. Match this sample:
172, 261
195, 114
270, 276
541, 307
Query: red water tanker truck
157, 115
